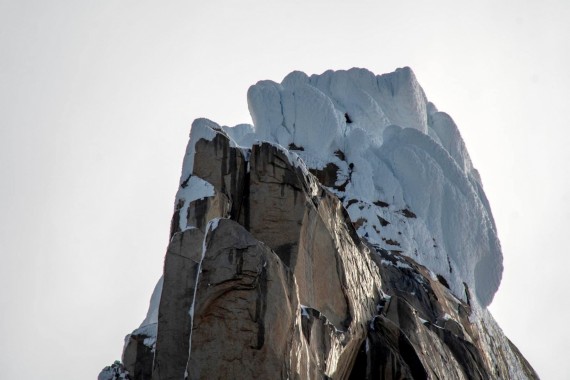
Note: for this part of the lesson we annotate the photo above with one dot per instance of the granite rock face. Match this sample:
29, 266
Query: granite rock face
267, 276
276, 283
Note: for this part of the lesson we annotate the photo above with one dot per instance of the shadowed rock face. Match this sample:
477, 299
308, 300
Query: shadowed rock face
273, 282
422, 331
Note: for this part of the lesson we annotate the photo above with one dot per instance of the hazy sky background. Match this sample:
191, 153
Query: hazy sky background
96, 101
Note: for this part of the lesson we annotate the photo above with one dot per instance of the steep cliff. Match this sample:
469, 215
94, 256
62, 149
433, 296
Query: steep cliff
345, 235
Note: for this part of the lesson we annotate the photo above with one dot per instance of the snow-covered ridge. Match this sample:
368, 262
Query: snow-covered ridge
402, 168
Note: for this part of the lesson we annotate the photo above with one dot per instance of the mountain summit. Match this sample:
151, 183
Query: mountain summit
345, 234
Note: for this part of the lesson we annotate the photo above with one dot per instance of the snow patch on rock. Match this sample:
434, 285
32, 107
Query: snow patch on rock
152, 314
201, 129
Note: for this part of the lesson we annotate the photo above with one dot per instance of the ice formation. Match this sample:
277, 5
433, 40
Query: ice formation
406, 172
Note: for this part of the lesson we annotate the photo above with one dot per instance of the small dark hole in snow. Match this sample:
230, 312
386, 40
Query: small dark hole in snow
347, 118
383, 222
295, 147
340, 154
407, 213
185, 183
392, 242
350, 202
443, 281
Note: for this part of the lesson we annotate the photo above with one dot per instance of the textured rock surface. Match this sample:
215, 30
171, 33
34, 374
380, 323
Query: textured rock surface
181, 266
291, 297
423, 331
276, 269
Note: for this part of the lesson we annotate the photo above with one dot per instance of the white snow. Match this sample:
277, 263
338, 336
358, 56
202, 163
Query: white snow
149, 325
152, 314
196, 188
242, 133
408, 172
304, 311
149, 330
303, 116
201, 129
191, 187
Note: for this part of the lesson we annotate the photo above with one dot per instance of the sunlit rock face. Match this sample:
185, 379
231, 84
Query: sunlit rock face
345, 234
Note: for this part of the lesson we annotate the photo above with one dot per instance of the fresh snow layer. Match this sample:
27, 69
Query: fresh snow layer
410, 177
152, 314
409, 184
149, 326
191, 187
201, 129
195, 188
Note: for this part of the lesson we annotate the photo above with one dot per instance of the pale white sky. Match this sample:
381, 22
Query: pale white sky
96, 100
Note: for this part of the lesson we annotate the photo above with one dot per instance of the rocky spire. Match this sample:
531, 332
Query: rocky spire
344, 235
